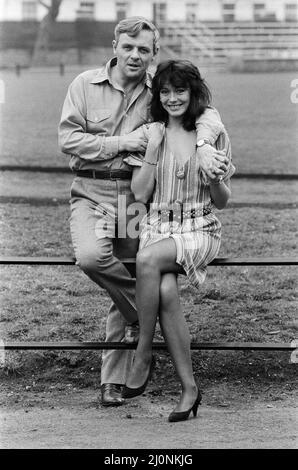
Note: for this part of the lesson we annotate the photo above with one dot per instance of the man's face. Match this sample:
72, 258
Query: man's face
134, 54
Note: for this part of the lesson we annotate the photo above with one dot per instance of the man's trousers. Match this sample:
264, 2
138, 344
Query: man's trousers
98, 225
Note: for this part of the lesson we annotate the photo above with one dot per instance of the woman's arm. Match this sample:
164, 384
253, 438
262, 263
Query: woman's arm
143, 178
209, 126
220, 187
220, 192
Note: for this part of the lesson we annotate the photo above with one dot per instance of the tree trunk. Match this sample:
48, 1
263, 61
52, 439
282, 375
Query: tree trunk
42, 43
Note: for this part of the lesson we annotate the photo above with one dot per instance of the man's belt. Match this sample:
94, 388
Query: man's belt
105, 174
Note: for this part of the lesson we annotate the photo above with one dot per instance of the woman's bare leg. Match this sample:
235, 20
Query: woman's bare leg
151, 263
177, 337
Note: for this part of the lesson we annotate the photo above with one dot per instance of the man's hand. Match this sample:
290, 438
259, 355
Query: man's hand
132, 143
214, 163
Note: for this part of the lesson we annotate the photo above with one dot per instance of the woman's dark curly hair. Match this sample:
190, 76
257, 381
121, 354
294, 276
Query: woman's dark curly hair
180, 74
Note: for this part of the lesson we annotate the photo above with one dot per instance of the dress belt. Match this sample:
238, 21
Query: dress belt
105, 174
170, 215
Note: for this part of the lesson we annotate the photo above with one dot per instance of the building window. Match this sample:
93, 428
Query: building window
121, 10
86, 11
291, 11
261, 13
29, 10
228, 12
191, 11
159, 12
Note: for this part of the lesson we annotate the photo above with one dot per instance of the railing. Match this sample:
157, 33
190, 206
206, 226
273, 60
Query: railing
215, 43
129, 262
188, 38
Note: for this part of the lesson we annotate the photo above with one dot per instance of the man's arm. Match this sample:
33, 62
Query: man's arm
209, 127
74, 138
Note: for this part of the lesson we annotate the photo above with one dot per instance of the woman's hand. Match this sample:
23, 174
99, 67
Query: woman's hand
156, 134
213, 162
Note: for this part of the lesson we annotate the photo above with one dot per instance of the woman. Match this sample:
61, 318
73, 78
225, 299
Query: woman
180, 231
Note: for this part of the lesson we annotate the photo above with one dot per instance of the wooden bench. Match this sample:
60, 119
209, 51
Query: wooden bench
130, 262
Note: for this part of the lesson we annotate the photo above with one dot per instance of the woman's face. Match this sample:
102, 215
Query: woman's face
175, 100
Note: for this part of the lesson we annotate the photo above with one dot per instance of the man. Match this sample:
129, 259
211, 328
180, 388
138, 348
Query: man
101, 111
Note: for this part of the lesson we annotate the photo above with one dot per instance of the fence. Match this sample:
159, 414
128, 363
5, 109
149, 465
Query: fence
130, 262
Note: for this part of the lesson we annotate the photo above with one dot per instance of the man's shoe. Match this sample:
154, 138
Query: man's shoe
111, 395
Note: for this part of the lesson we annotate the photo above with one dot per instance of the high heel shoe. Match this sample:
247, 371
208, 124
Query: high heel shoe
129, 392
183, 415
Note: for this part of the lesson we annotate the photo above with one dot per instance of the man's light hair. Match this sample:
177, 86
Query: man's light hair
133, 25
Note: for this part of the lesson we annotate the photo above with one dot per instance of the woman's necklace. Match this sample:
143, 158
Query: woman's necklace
180, 172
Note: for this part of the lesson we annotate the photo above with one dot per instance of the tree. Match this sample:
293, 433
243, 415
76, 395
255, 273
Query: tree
42, 43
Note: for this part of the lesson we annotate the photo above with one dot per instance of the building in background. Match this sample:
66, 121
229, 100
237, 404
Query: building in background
166, 10
211, 32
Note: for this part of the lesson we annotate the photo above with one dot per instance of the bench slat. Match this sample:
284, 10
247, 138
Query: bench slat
79, 345
67, 260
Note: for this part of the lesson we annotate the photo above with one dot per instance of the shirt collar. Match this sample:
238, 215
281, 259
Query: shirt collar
104, 74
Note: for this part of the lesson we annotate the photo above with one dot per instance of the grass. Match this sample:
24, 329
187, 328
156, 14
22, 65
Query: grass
246, 304
235, 303
260, 118
56, 187
256, 109
44, 230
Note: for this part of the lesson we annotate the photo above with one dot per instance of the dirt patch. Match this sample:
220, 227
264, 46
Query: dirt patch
64, 417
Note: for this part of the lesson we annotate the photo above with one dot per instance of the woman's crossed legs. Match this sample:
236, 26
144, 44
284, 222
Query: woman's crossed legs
157, 293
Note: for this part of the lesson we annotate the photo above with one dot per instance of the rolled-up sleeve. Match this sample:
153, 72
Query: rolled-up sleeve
209, 125
73, 136
136, 158
223, 143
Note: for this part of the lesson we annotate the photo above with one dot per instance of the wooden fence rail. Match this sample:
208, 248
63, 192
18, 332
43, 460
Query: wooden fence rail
87, 345
68, 260
100, 345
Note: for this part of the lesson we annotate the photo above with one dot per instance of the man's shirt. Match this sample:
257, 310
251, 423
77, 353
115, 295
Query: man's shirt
96, 112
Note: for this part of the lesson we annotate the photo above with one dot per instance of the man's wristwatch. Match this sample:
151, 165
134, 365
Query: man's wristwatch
202, 142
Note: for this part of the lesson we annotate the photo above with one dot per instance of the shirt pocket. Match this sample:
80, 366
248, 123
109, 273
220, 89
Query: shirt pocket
98, 120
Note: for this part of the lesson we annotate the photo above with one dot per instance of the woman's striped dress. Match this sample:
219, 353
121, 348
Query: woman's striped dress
182, 208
